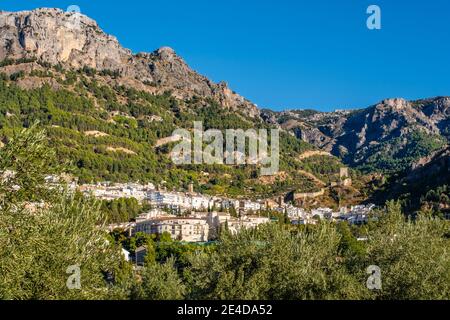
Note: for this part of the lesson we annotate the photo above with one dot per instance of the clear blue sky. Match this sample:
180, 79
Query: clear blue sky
290, 54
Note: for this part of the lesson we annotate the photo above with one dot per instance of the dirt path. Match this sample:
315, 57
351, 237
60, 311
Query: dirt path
167, 140
309, 154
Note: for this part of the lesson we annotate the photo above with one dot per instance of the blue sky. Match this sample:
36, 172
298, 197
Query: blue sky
290, 54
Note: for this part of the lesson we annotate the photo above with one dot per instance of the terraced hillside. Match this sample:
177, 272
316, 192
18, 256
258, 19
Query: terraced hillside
109, 131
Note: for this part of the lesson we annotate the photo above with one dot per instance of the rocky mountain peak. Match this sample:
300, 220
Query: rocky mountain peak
74, 41
55, 36
166, 53
395, 103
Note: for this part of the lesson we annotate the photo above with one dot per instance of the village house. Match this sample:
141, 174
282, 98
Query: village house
322, 213
294, 212
153, 214
179, 200
180, 228
107, 191
247, 205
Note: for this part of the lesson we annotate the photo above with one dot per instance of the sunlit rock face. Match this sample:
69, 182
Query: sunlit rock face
74, 40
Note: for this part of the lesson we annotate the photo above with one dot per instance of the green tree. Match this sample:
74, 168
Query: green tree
413, 255
273, 263
44, 230
160, 282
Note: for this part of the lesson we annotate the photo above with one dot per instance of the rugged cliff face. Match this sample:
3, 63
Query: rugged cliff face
391, 134
436, 165
425, 183
74, 40
394, 128
58, 37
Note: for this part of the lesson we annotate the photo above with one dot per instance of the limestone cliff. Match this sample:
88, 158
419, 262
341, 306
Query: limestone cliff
74, 40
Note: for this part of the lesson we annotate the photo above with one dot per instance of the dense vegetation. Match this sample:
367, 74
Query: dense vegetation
398, 154
108, 132
45, 231
275, 261
421, 188
122, 210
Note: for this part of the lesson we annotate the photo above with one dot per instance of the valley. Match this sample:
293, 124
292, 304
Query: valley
92, 183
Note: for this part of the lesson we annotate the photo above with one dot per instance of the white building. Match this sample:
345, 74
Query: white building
228, 203
107, 191
247, 205
200, 202
180, 200
359, 214
182, 229
358, 219
294, 212
153, 214
248, 222
322, 213
217, 219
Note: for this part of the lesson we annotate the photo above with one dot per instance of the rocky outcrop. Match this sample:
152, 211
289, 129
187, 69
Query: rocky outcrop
313, 136
357, 135
391, 118
437, 110
56, 37
436, 164
74, 41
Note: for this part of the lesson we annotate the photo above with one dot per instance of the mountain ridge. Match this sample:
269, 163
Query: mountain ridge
389, 135
357, 135
75, 40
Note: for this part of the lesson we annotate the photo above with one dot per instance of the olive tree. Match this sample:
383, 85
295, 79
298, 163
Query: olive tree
52, 242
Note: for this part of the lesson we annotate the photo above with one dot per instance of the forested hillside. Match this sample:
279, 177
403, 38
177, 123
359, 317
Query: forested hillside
109, 132
387, 137
106, 109
275, 261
